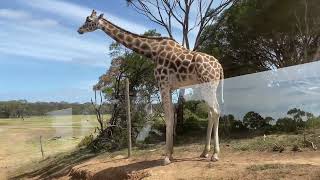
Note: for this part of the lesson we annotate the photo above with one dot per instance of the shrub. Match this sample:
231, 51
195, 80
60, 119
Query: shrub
286, 125
86, 141
313, 123
112, 138
199, 108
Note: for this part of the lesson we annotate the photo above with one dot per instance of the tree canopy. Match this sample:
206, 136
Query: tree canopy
259, 35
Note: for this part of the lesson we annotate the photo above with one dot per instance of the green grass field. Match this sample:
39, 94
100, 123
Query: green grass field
19, 140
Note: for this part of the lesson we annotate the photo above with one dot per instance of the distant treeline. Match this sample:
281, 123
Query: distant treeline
22, 108
296, 120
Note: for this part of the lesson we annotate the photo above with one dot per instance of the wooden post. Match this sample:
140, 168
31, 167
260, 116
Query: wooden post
128, 118
41, 147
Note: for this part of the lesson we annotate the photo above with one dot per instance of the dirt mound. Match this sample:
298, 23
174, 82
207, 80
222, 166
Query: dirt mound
115, 174
187, 165
118, 173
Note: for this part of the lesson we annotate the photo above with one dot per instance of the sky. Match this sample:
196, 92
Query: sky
43, 58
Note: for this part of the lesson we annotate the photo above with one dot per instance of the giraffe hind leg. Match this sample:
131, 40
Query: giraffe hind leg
208, 93
215, 136
208, 137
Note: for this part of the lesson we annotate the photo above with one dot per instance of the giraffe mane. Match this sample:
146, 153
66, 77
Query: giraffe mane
138, 35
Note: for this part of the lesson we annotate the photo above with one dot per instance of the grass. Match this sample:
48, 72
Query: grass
19, 138
262, 167
288, 141
283, 171
61, 154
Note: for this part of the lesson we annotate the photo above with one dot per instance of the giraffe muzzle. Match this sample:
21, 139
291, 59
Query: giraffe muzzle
80, 31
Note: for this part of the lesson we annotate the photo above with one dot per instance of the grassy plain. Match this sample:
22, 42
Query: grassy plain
20, 139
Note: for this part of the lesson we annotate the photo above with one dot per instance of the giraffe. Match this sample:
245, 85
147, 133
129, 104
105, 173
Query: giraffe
176, 67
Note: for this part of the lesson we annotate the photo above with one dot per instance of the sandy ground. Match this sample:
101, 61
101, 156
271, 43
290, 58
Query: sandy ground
187, 165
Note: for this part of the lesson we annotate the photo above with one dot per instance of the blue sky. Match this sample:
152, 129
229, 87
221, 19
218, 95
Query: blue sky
43, 58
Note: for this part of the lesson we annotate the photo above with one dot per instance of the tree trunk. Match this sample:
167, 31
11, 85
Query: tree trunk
179, 111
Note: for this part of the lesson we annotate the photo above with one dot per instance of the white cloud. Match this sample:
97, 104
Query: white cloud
78, 13
43, 23
13, 14
25, 18
27, 35
57, 44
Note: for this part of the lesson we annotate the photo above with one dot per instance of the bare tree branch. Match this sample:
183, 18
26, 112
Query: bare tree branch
167, 12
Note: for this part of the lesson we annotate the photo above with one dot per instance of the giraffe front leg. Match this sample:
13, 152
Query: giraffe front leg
168, 110
169, 144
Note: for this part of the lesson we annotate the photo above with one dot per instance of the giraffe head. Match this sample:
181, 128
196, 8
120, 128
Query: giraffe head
91, 23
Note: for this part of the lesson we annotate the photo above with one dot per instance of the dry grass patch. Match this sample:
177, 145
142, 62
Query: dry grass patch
283, 171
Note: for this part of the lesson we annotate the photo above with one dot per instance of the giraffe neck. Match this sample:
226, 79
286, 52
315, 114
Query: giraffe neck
143, 45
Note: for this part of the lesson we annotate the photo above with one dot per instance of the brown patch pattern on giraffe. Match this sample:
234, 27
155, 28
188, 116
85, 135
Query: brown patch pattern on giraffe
171, 59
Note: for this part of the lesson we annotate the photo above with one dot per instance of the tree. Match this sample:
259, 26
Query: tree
300, 116
286, 125
254, 121
186, 16
313, 122
268, 119
230, 125
97, 106
258, 35
23, 108
139, 70
226, 123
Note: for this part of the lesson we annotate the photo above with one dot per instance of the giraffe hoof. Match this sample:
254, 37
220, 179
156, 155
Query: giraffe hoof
166, 161
171, 158
214, 158
204, 155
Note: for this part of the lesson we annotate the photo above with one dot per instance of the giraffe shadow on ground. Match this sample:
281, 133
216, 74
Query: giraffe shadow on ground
137, 170
57, 166
177, 160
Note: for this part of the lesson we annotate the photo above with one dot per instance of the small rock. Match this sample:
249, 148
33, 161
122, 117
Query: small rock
119, 157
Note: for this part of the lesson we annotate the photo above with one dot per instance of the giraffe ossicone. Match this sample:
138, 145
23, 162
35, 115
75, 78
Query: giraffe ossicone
176, 67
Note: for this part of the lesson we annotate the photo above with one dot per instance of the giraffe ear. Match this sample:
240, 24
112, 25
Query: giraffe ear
100, 16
